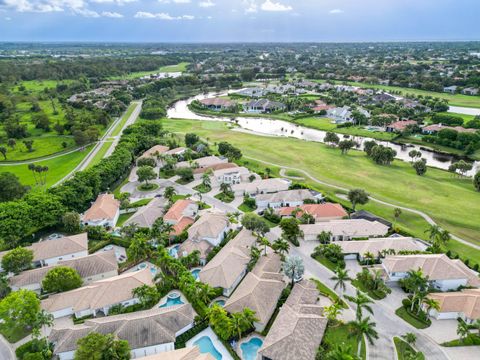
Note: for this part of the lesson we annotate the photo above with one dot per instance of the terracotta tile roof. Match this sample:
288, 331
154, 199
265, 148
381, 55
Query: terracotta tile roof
299, 326
260, 289
435, 266
157, 149
225, 268
141, 329
376, 245
466, 301
100, 293
182, 225
401, 125
104, 207
188, 353
215, 167
87, 266
175, 213
318, 211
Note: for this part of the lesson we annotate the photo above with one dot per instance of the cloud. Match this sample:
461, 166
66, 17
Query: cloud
336, 11
76, 7
117, 2
269, 5
161, 16
250, 6
112, 14
174, 1
206, 4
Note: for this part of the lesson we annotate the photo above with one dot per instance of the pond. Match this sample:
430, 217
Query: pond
272, 127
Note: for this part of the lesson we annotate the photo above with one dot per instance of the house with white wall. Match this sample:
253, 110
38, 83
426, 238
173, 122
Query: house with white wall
103, 212
463, 304
356, 249
230, 176
148, 332
98, 297
261, 186
344, 230
442, 272
229, 266
293, 198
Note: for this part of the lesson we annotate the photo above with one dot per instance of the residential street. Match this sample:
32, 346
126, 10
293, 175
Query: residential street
6, 352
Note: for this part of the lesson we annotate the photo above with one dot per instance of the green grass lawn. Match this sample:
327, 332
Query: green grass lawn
123, 120
202, 188
453, 100
470, 340
13, 334
224, 198
294, 173
359, 285
58, 167
124, 217
245, 208
405, 315
42, 146
180, 67
325, 262
139, 203
38, 85
340, 333
100, 154
452, 202
178, 197
147, 187
403, 348
326, 291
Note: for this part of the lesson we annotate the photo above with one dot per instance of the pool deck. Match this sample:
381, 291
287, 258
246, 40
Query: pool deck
164, 299
119, 251
238, 350
216, 342
224, 298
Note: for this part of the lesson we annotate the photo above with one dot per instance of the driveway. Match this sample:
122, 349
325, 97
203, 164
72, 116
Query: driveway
6, 351
388, 324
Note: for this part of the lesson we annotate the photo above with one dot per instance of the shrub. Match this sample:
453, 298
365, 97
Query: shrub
406, 303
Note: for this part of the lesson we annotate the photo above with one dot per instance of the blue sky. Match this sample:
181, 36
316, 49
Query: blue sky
238, 20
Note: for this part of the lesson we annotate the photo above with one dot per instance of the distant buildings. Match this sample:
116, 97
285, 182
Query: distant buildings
400, 126
263, 106
218, 104
450, 89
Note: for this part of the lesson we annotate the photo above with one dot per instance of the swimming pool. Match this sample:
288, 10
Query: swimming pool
195, 273
173, 251
220, 302
173, 299
205, 345
250, 348
141, 266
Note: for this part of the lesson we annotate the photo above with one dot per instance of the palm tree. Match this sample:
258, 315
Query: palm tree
341, 277
444, 237
462, 330
431, 304
433, 232
281, 246
369, 257
341, 352
332, 311
169, 193
396, 214
206, 182
362, 301
266, 244
324, 237
363, 328
476, 325
410, 338
225, 188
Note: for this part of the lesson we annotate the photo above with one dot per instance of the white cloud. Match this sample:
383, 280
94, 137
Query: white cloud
174, 1
161, 16
112, 14
336, 11
76, 7
250, 6
117, 2
206, 4
269, 5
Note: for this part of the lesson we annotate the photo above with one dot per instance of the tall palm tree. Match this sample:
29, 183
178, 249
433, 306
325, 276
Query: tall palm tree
410, 338
169, 193
431, 304
415, 282
324, 237
462, 330
362, 302
341, 277
265, 243
369, 257
206, 182
433, 232
444, 237
341, 352
363, 328
281, 246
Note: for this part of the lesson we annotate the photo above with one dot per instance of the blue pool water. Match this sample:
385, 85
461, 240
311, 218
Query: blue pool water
173, 251
220, 302
153, 270
172, 301
250, 348
195, 273
205, 345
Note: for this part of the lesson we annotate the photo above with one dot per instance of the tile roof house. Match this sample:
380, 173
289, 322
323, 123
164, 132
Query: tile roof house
443, 273
208, 231
399, 126
285, 198
263, 106
104, 211
259, 290
358, 248
229, 266
90, 268
342, 230
145, 216
299, 327
203, 162
217, 104
148, 332
321, 212
98, 297
181, 215
340, 115
50, 252
230, 176
261, 186
154, 152
188, 353
434, 128
463, 304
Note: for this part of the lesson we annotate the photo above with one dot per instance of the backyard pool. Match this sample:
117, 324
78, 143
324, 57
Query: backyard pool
174, 250
205, 345
220, 302
195, 273
250, 348
173, 299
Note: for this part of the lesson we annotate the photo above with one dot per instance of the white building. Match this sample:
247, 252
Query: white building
231, 176
340, 115
443, 273
261, 186
286, 198
103, 212
356, 249
148, 332
342, 230
463, 304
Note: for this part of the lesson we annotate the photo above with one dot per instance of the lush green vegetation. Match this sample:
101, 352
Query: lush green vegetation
123, 120
13, 334
326, 291
100, 154
403, 349
340, 333
180, 67
437, 193
123, 218
403, 313
470, 340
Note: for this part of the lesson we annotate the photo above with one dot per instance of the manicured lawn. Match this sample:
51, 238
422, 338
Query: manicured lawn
325, 262
169, 68
471, 340
340, 333
124, 217
452, 202
58, 167
224, 198
37, 85
466, 118
180, 67
270, 224
359, 285
178, 197
403, 348
245, 208
405, 315
123, 120
294, 173
100, 154
147, 187
139, 203
202, 188
326, 291
42, 146
13, 334
453, 100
